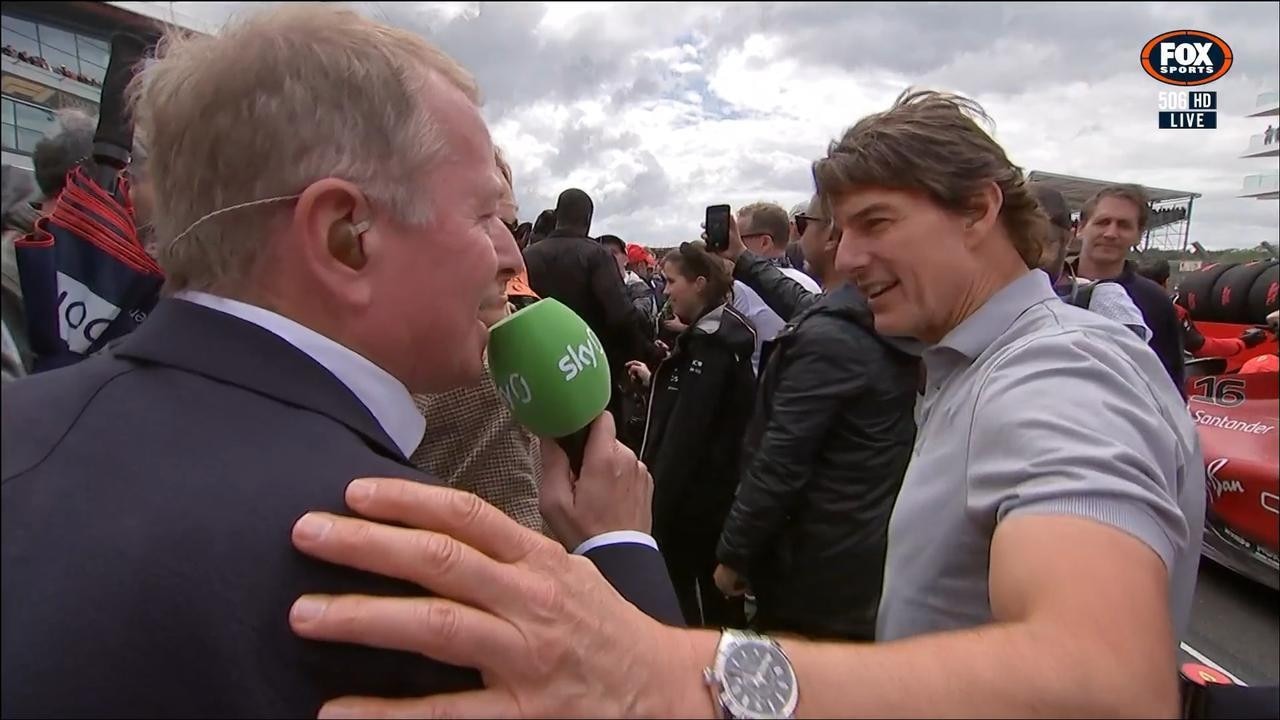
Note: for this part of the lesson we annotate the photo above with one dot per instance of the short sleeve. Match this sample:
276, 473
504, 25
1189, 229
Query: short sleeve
1111, 301
1065, 425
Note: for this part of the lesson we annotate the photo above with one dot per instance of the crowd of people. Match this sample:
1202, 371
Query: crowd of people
38, 61
903, 447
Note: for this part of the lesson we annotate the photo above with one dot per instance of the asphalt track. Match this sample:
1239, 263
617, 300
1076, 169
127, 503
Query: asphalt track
1235, 625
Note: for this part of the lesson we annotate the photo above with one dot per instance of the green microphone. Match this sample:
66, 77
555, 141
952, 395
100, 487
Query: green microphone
552, 371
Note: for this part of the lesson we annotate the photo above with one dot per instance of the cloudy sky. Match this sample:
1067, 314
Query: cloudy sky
658, 110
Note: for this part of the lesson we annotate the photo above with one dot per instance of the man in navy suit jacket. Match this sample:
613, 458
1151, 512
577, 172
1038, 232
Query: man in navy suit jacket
321, 271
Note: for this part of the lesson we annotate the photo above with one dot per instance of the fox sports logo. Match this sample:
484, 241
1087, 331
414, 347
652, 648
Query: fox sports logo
1186, 57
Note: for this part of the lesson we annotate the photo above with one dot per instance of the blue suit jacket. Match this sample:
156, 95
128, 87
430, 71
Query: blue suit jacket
148, 497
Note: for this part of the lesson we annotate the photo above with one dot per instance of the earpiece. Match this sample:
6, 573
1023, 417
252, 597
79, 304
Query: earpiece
346, 245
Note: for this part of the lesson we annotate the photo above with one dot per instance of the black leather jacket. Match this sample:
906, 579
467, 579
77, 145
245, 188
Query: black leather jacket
824, 457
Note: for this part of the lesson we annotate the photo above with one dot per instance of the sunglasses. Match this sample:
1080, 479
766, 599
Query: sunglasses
802, 222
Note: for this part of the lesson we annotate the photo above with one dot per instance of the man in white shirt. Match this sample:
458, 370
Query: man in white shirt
322, 266
765, 229
766, 322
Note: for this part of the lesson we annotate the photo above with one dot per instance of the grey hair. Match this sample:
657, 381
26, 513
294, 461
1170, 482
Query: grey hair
330, 93
59, 151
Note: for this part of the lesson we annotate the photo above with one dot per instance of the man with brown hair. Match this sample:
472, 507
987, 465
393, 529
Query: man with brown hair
1047, 532
1106, 298
324, 263
825, 451
765, 229
1111, 224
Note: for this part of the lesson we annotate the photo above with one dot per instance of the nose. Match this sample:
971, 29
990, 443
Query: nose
510, 261
851, 255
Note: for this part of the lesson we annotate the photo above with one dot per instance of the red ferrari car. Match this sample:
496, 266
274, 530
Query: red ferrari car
1235, 402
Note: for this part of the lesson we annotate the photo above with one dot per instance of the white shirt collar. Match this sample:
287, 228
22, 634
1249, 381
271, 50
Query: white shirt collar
385, 397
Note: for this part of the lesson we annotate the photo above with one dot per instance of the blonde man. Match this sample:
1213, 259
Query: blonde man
328, 222
472, 441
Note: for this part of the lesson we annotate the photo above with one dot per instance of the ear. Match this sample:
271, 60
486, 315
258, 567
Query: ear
331, 238
832, 243
700, 284
983, 212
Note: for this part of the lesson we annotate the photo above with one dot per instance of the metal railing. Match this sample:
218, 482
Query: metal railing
1258, 142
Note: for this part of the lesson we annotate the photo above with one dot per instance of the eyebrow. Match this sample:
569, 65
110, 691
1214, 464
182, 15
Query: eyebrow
868, 210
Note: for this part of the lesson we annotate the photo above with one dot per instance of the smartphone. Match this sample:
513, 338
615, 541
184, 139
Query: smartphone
717, 228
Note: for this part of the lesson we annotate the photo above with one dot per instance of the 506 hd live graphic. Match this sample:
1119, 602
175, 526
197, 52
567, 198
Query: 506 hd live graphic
1187, 58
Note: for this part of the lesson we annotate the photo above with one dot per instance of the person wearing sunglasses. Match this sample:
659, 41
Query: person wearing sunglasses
795, 254
831, 433
766, 231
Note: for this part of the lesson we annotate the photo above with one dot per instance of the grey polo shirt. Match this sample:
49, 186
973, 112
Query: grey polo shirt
1036, 407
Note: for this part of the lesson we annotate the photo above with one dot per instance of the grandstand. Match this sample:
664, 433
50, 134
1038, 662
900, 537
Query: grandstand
1169, 224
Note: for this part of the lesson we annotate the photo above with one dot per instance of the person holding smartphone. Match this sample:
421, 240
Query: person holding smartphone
700, 400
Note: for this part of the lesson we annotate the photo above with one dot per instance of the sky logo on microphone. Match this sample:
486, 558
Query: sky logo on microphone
516, 390
577, 359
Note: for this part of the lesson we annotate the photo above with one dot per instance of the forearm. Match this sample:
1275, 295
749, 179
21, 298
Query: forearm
784, 296
1000, 670
1003, 670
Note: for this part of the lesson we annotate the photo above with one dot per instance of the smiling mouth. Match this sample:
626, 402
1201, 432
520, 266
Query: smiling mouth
877, 290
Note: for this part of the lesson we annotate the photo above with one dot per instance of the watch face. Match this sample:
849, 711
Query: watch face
758, 681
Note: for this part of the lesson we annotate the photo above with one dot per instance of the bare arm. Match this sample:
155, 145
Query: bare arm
1082, 629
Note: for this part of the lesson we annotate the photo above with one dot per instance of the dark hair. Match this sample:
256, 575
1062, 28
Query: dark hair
613, 241
573, 212
1052, 203
931, 142
1133, 193
1157, 270
692, 261
545, 223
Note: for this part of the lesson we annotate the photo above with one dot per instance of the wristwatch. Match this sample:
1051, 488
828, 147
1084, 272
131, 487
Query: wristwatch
752, 678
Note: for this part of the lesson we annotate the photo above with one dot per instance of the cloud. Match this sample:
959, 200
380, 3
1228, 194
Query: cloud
658, 110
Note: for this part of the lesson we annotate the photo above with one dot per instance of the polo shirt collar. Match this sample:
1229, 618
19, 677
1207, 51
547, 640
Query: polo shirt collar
981, 329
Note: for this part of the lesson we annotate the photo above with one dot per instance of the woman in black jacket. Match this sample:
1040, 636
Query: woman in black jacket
699, 404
